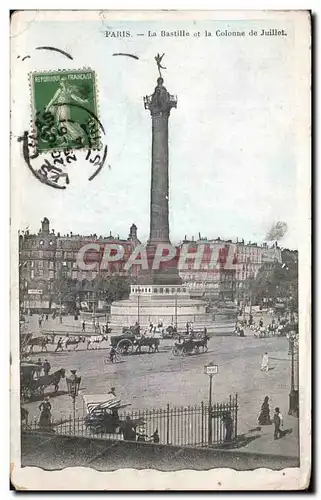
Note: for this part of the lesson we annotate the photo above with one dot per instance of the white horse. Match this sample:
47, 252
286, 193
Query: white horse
96, 340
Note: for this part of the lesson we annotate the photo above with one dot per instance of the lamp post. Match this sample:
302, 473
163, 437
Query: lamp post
73, 383
210, 370
176, 310
294, 393
138, 305
62, 274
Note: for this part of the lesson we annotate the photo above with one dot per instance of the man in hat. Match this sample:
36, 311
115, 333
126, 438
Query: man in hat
59, 344
46, 367
278, 422
112, 391
128, 430
155, 437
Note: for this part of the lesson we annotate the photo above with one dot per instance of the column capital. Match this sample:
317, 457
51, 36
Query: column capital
160, 102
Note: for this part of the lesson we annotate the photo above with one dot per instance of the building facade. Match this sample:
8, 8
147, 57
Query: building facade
46, 257
222, 281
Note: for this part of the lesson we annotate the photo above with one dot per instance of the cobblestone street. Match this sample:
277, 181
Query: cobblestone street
153, 380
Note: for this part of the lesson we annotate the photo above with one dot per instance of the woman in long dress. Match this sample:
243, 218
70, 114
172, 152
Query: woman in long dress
45, 415
59, 107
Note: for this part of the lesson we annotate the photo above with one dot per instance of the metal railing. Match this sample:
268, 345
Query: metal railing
196, 425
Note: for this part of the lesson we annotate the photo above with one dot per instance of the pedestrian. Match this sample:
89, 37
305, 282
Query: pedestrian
228, 422
39, 368
113, 354
128, 430
40, 321
45, 415
265, 362
261, 323
278, 422
264, 417
155, 436
141, 434
83, 326
46, 367
251, 320
59, 344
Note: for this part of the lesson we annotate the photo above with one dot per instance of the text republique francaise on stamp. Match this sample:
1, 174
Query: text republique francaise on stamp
64, 108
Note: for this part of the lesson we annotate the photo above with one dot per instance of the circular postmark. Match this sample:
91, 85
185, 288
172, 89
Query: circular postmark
51, 165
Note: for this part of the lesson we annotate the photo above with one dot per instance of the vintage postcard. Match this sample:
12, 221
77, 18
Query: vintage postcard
160, 242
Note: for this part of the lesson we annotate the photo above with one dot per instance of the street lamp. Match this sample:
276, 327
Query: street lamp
210, 370
62, 274
73, 383
294, 393
176, 310
138, 305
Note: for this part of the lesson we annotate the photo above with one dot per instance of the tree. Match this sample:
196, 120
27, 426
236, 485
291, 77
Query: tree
116, 288
279, 282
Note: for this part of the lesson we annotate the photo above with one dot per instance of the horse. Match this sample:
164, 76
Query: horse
151, 342
40, 341
51, 379
96, 339
24, 415
74, 341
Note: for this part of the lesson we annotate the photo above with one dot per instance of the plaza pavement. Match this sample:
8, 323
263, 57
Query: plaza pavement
153, 380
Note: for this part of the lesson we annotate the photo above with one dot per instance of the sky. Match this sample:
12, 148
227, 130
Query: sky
232, 139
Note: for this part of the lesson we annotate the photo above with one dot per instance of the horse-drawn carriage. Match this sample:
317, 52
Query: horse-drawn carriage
31, 386
129, 342
103, 418
188, 345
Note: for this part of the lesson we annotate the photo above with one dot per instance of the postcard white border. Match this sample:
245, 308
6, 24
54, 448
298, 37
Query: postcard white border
216, 479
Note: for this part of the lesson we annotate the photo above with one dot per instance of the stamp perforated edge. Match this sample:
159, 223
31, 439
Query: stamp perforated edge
33, 129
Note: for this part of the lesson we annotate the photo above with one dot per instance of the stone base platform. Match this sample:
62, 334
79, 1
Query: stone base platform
167, 305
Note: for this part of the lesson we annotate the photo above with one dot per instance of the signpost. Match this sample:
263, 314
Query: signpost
210, 370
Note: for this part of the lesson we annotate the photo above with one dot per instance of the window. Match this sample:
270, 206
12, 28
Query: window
50, 242
161, 290
172, 290
149, 290
51, 264
155, 290
32, 264
166, 290
32, 274
51, 274
40, 272
40, 264
41, 242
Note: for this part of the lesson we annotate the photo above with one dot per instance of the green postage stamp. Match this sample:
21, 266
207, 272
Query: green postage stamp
64, 107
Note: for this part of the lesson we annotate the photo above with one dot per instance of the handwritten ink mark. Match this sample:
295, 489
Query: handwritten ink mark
54, 49
124, 54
